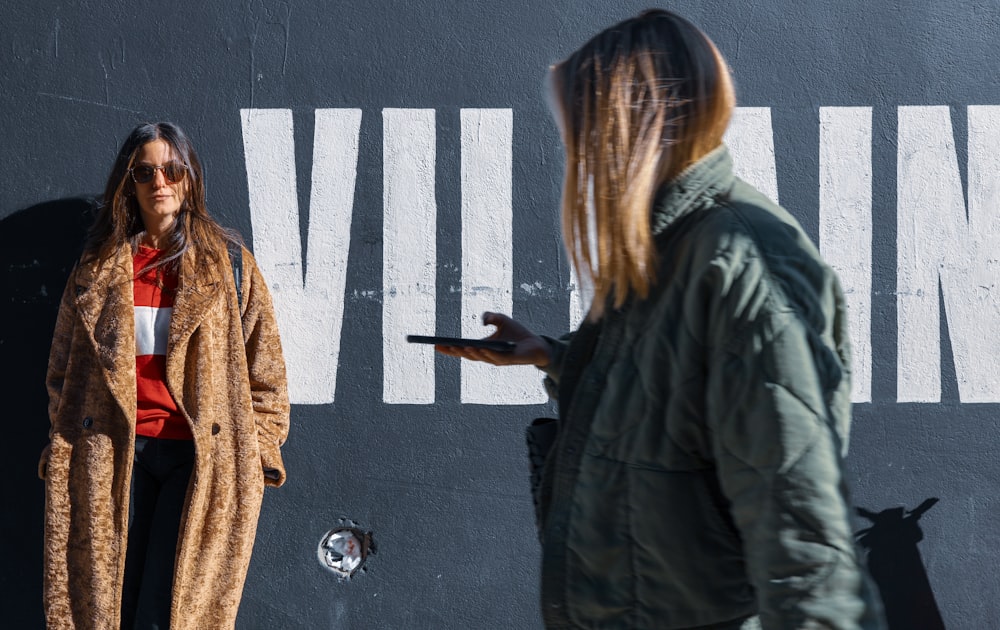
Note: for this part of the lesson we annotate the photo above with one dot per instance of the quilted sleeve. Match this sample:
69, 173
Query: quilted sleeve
772, 383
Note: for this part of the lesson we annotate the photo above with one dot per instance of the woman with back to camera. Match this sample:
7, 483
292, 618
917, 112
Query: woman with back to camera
695, 477
168, 406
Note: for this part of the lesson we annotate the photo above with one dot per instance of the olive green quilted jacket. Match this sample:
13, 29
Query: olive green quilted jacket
696, 479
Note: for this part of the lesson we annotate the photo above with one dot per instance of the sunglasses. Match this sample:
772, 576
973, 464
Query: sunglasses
173, 172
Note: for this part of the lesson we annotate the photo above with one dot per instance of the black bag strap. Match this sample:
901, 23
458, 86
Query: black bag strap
236, 260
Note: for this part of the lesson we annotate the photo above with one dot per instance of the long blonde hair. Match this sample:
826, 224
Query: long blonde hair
640, 102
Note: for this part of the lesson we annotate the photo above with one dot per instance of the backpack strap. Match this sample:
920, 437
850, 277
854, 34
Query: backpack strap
236, 261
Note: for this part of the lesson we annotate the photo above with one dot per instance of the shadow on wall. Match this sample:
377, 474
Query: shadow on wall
38, 247
897, 568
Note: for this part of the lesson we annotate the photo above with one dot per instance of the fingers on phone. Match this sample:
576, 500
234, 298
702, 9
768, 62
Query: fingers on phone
492, 319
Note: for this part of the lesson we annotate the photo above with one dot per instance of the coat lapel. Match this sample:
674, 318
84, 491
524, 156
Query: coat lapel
104, 302
196, 295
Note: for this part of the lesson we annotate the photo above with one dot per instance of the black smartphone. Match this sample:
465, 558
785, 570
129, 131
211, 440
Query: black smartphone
488, 344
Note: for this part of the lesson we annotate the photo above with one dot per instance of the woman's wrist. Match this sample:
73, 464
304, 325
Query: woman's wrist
544, 355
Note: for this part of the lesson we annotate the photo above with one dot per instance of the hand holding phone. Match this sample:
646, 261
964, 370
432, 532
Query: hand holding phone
461, 342
510, 344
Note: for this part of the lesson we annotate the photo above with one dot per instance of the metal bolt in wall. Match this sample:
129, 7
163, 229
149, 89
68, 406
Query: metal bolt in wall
343, 550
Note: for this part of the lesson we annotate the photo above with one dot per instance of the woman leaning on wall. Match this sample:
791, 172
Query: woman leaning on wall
168, 406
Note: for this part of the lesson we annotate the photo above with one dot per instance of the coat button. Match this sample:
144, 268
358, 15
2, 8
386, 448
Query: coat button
88, 422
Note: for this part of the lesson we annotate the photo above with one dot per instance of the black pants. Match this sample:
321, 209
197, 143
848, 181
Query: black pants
160, 478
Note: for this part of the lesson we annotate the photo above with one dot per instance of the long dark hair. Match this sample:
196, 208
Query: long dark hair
640, 102
119, 222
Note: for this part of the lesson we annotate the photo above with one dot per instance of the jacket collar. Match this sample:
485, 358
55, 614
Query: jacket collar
707, 178
195, 294
104, 288
112, 278
106, 307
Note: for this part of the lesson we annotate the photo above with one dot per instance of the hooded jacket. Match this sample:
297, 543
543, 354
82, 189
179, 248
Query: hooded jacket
228, 379
696, 479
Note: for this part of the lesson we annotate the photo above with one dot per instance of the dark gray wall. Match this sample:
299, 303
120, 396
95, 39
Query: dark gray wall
443, 487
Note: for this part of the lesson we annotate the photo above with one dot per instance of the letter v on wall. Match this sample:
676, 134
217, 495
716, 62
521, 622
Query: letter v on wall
310, 305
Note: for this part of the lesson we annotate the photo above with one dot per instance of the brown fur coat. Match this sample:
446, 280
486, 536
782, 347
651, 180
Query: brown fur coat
229, 382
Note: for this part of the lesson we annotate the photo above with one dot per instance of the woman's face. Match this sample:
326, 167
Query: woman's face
160, 198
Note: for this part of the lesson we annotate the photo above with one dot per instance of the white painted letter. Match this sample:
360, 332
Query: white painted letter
487, 254
845, 224
750, 139
409, 241
939, 246
310, 306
